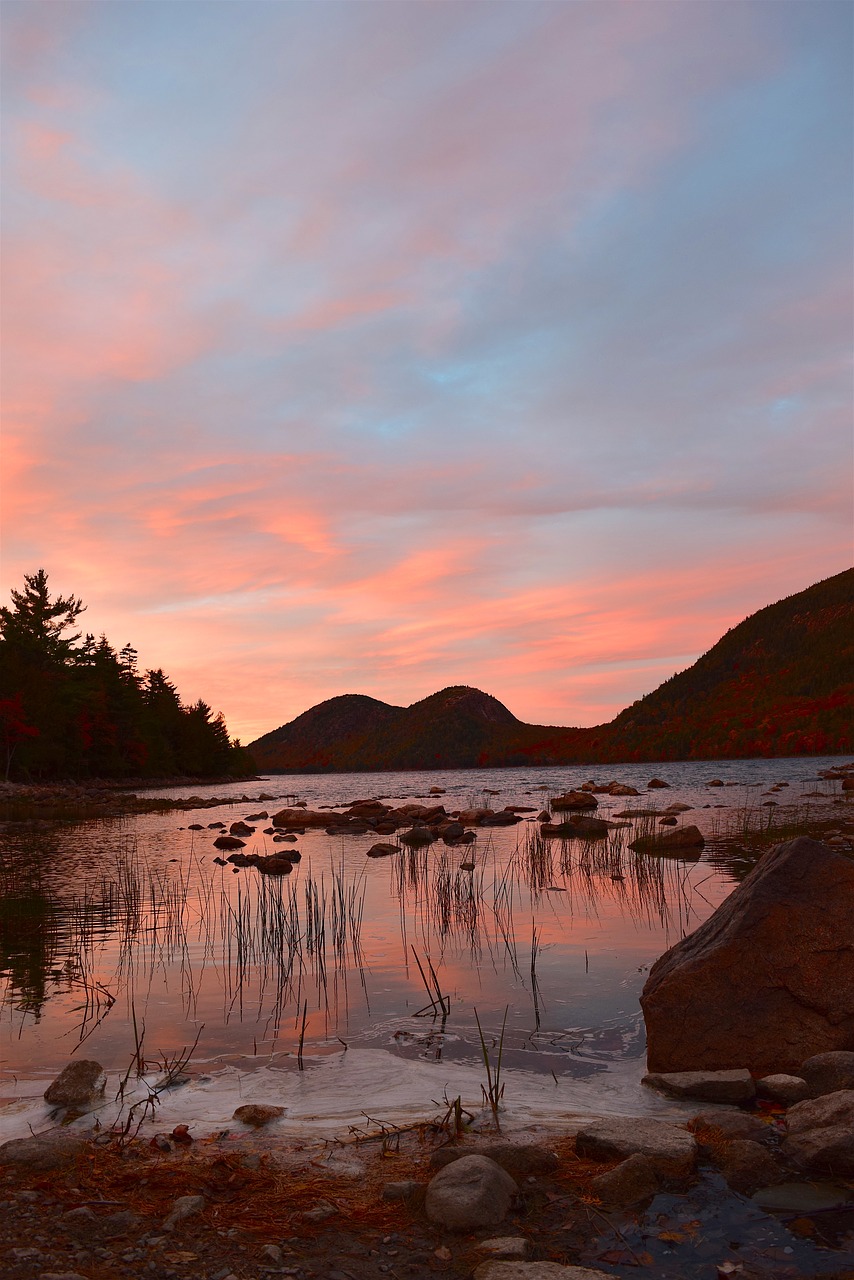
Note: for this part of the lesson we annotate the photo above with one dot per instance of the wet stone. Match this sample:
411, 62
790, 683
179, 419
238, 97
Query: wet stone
77, 1085
257, 1114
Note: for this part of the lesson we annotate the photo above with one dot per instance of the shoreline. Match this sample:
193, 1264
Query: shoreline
254, 1203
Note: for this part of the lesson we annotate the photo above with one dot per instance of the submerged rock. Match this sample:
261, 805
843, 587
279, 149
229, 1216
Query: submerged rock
747, 1166
629, 1183
768, 978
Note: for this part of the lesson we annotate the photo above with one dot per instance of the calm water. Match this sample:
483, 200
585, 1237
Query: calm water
113, 922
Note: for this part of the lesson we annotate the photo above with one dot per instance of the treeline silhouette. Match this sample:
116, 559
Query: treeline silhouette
73, 707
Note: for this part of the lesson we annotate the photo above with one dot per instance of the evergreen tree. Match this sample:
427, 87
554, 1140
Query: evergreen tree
82, 710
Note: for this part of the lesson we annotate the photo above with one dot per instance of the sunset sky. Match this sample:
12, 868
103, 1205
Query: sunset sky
376, 347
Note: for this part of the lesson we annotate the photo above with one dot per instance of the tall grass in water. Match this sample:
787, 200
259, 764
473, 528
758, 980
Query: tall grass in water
493, 1091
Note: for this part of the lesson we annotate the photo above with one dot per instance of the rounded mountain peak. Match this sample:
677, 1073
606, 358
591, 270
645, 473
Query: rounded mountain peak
461, 700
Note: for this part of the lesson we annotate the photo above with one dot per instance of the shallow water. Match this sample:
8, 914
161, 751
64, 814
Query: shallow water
119, 932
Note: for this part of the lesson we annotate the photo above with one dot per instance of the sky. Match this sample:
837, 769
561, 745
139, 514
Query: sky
378, 347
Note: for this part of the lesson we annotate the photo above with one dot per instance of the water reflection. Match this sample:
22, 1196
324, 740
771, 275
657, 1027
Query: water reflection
106, 925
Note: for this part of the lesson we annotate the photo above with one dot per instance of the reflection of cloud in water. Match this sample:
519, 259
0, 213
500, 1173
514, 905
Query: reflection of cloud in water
560, 931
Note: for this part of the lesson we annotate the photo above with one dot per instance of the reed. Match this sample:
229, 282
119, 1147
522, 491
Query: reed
493, 1091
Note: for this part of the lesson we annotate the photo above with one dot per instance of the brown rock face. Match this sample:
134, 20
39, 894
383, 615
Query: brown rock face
768, 980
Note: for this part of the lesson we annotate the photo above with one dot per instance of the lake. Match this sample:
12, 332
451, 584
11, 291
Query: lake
117, 934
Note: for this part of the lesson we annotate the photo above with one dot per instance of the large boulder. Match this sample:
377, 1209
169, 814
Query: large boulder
768, 979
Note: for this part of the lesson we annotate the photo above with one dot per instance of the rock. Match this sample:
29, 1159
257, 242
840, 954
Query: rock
275, 864
656, 782
382, 850
678, 807
320, 1212
520, 1160
303, 818
631, 1182
575, 800
828, 1072
183, 1207
768, 978
472, 1192
257, 1114
229, 842
241, 829
667, 822
821, 1134
621, 789
544, 816
273, 1253
671, 1151
747, 1166
472, 817
675, 841
802, 1197
728, 1124
536, 1271
710, 1086
452, 831
578, 829
786, 1090
417, 836
79, 1221
77, 1085
505, 1247
715, 782
400, 1190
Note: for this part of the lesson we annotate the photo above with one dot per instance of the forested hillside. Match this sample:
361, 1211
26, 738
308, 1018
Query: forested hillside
780, 683
72, 707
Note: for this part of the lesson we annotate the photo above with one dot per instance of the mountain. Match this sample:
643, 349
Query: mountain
450, 729
780, 683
